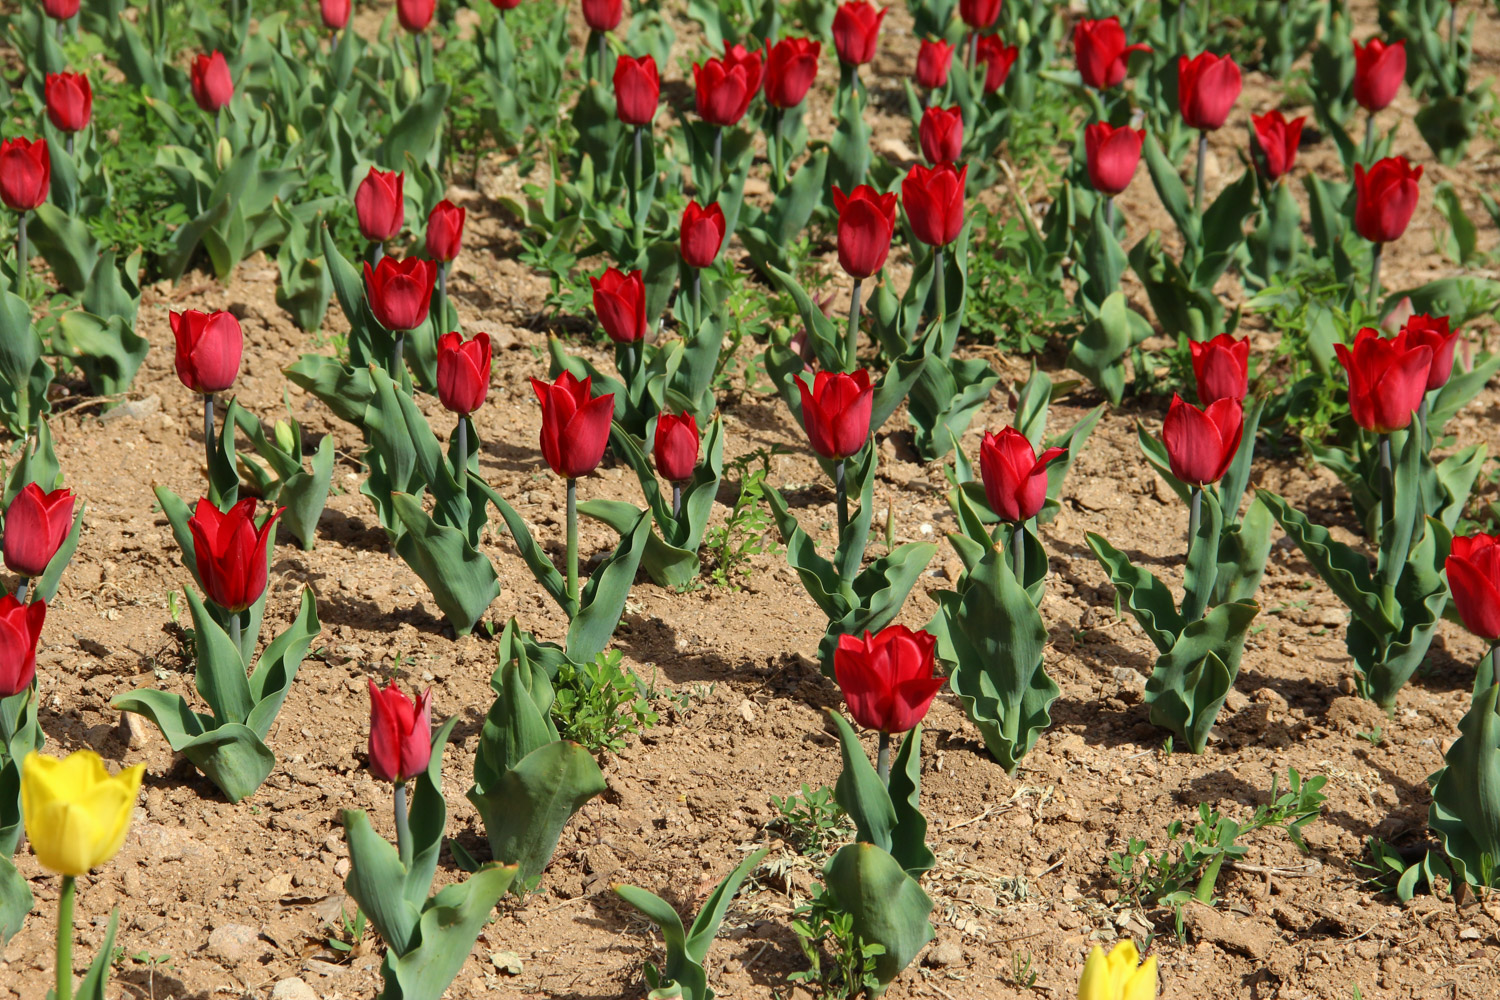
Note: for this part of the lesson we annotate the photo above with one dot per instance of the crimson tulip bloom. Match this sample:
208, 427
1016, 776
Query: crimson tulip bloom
856, 29
1100, 52
230, 552
997, 58
1378, 71
702, 234
379, 203
1015, 476
791, 67
70, 101
934, 200
20, 627
1112, 154
1433, 331
1207, 87
888, 679
415, 15
1387, 379
445, 231
676, 446
60, 10
603, 15
463, 372
209, 346
25, 173
1221, 367
620, 304
1201, 443
942, 134
836, 412
1385, 196
1473, 579
335, 13
978, 14
36, 524
400, 291
504, 5
575, 428
867, 220
637, 89
212, 85
1278, 140
934, 59
400, 733
724, 87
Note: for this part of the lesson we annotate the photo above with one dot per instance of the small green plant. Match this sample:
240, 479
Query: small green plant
1374, 737
748, 532
599, 704
810, 821
1021, 972
1012, 308
349, 931
839, 964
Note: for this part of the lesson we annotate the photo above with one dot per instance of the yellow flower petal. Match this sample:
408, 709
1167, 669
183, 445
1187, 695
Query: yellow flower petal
76, 814
1095, 983
1142, 984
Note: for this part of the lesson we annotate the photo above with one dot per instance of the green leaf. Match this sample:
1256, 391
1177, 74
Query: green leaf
1189, 682
415, 133
860, 791
1395, 537
1346, 571
1202, 559
909, 838
106, 350
1386, 660
277, 667
887, 905
220, 678
1169, 188
1465, 810
1146, 596
447, 930
233, 758
462, 581
706, 927
15, 900
819, 578
376, 876
1099, 349
603, 598
91, 986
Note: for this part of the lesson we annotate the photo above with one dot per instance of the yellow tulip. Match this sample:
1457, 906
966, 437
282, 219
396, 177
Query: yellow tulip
1121, 976
76, 813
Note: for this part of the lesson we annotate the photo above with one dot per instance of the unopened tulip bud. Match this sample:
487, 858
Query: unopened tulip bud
223, 153
411, 85
286, 439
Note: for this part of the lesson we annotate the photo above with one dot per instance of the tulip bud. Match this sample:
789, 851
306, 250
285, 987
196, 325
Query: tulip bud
1207, 87
212, 85
1221, 367
76, 814
888, 679
978, 15
1113, 154
1433, 332
1015, 476
411, 85
293, 136
934, 59
791, 67
400, 291
335, 13
25, 173
867, 221
941, 133
1100, 52
20, 627
415, 15
1387, 379
602, 15
1202, 443
400, 733
230, 552
223, 153
1385, 196
70, 101
1121, 976
997, 59
208, 349
1474, 581
637, 89
36, 525
445, 231
1378, 71
60, 10
379, 205
856, 30
1277, 140
675, 445
723, 88
620, 304
463, 372
575, 427
934, 202
836, 412
286, 438
701, 234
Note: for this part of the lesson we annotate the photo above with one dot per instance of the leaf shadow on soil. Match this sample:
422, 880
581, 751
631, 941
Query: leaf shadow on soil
348, 532
142, 984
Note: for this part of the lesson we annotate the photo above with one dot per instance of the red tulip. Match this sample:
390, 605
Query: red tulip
70, 101
230, 552
1201, 443
1387, 379
620, 304
867, 221
415, 15
942, 134
36, 524
978, 14
602, 15
20, 627
25, 173
211, 82
934, 59
378, 203
463, 372
676, 446
209, 346
60, 10
637, 89
888, 679
575, 428
725, 87
1433, 331
791, 67
400, 291
1207, 87
997, 59
1100, 51
1385, 196
856, 29
1473, 578
836, 412
445, 231
1113, 154
1221, 367
702, 234
400, 733
1378, 71
335, 13
1015, 476
934, 200
1278, 140
503, 5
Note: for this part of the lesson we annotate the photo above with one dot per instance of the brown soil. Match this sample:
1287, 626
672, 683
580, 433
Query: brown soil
1022, 860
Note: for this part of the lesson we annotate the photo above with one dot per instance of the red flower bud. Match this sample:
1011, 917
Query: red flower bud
379, 204
836, 412
1221, 367
1100, 52
856, 29
575, 428
400, 733
942, 134
506, 4
415, 15
1433, 331
724, 87
867, 220
1113, 154
637, 89
463, 372
702, 234
888, 679
791, 67
934, 59
230, 552
1207, 87
1278, 140
978, 14
1473, 578
602, 15
676, 446
1385, 196
997, 59
1387, 379
400, 291
209, 346
70, 101
335, 13
1015, 476
36, 524
211, 82
445, 231
60, 10
620, 304
20, 627
1201, 443
1378, 71
934, 200
25, 173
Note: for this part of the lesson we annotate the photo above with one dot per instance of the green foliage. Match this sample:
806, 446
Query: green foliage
1010, 305
811, 820
840, 965
600, 704
746, 533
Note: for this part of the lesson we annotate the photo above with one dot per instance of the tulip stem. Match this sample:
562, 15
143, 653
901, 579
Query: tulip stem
1484, 670
636, 157
403, 827
22, 254
1369, 137
1374, 301
236, 630
65, 939
841, 495
1195, 515
697, 296
939, 285
1198, 174
208, 433
1387, 484
1018, 552
850, 362
22, 589
1453, 32
676, 499
883, 759
1422, 422
773, 149
440, 325
1109, 213
573, 543
398, 351
604, 73
714, 180
69, 143
377, 251
462, 472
